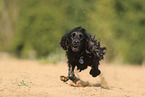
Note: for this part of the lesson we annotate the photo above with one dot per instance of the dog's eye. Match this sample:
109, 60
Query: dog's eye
73, 35
81, 36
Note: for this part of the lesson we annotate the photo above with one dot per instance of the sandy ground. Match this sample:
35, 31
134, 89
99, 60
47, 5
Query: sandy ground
23, 78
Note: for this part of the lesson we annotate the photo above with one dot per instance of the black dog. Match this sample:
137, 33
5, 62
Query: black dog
82, 50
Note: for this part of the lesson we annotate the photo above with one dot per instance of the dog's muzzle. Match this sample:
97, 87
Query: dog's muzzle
76, 45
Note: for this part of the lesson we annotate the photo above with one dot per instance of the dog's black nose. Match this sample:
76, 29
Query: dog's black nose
76, 42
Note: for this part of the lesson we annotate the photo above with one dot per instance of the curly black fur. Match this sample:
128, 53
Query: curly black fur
82, 50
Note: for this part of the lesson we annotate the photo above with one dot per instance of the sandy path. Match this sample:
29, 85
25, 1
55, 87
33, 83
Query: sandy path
43, 80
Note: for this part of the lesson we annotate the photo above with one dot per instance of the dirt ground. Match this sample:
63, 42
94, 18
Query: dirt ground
24, 78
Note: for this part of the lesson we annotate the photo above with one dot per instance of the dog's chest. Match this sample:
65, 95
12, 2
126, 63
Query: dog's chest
84, 59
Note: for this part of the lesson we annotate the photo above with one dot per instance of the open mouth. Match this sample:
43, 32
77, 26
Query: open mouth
75, 48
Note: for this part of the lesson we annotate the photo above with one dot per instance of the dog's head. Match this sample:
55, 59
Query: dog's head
74, 40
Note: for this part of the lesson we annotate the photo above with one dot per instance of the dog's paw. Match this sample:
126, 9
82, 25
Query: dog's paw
95, 72
74, 79
64, 79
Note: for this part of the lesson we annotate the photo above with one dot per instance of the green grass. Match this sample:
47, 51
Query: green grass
22, 83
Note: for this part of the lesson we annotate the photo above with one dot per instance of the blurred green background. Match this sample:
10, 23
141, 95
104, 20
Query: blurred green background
33, 28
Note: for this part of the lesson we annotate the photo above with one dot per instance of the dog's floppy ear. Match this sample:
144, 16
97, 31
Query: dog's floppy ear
87, 41
94, 47
65, 41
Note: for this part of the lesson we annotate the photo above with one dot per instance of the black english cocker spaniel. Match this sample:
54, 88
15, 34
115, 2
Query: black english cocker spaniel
82, 50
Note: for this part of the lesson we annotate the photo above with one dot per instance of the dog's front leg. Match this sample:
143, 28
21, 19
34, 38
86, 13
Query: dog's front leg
95, 71
71, 74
